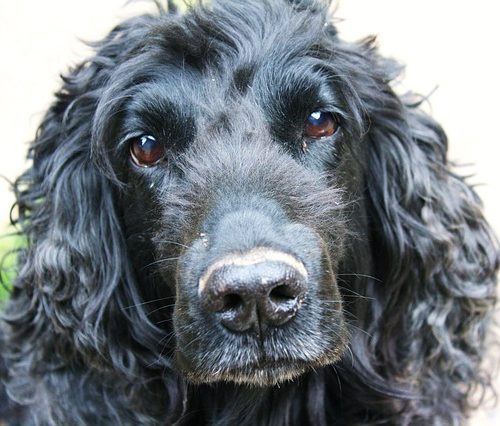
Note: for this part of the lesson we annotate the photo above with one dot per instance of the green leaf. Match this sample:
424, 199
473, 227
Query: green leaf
10, 244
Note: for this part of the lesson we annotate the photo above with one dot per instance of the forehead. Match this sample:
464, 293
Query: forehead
263, 80
207, 59
239, 29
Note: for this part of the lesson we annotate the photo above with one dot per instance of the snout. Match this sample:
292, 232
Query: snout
257, 300
255, 290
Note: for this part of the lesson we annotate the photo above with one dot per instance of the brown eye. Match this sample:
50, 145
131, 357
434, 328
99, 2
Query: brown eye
320, 124
146, 151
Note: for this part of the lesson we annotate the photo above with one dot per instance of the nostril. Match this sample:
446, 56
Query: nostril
282, 293
284, 300
231, 302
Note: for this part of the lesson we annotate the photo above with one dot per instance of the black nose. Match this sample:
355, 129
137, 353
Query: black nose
257, 289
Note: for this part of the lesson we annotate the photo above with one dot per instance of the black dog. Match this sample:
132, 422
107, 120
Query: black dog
232, 219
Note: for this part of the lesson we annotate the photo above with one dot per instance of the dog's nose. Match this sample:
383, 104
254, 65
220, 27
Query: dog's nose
258, 289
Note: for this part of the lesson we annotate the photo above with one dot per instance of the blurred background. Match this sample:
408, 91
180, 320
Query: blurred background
450, 49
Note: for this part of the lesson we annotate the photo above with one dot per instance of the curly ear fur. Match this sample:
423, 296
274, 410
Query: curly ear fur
434, 255
437, 260
75, 279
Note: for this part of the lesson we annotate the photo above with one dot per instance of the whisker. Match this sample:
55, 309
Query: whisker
159, 261
352, 355
148, 302
349, 318
338, 378
160, 308
362, 276
164, 321
167, 339
361, 296
175, 243
359, 329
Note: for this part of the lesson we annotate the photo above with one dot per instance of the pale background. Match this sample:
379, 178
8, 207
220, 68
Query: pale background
449, 44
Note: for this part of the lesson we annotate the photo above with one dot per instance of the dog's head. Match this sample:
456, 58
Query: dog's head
237, 194
237, 140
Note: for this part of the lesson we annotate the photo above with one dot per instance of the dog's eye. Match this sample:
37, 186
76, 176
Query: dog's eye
146, 151
320, 124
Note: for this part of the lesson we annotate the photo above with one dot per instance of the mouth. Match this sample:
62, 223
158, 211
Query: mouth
265, 372
254, 375
278, 357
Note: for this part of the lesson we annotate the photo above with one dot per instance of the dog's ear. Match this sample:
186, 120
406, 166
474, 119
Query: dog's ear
74, 273
435, 254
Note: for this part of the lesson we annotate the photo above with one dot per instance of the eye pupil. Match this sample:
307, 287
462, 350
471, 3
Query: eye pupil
146, 151
320, 124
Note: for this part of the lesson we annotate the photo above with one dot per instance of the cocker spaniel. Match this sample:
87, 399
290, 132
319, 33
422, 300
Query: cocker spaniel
232, 219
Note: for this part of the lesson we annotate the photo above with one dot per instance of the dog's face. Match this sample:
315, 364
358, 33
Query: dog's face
237, 195
241, 163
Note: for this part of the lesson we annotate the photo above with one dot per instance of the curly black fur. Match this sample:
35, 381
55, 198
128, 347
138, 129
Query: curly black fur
102, 326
